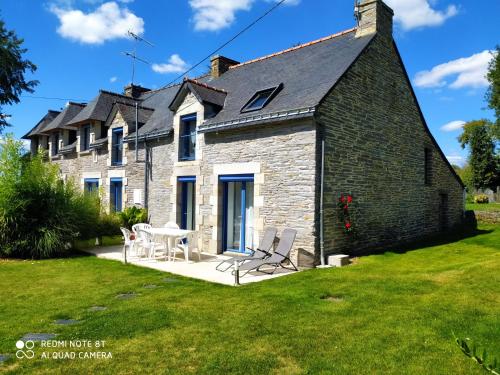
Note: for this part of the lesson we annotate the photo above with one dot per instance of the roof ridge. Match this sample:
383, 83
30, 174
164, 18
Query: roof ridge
78, 104
132, 105
202, 84
116, 94
295, 48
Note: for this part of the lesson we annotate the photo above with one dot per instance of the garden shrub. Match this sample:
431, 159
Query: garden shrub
481, 198
133, 215
40, 215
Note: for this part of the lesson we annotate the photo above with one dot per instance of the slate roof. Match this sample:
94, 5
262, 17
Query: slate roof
161, 120
307, 72
128, 113
203, 92
68, 148
42, 124
101, 142
100, 107
71, 110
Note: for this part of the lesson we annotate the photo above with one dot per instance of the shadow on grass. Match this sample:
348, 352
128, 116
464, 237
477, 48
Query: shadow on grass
467, 230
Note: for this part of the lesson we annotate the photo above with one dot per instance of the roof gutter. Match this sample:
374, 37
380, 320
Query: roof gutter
273, 116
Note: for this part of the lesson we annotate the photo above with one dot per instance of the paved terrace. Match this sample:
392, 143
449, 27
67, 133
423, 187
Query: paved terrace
203, 270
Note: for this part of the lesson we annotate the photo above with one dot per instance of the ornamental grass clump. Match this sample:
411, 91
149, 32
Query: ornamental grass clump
40, 215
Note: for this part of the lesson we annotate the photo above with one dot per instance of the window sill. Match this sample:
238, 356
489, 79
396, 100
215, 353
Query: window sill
55, 157
186, 162
86, 152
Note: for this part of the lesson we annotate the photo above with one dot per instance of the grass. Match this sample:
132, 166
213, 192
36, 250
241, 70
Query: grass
391, 313
106, 241
483, 206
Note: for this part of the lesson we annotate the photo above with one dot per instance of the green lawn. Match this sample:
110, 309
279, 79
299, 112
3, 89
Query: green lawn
390, 313
483, 206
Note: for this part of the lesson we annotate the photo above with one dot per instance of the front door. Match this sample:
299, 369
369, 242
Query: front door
237, 212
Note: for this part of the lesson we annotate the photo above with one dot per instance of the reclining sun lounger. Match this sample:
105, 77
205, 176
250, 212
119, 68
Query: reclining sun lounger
262, 251
280, 255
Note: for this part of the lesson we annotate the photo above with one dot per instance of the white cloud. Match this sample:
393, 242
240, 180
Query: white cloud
453, 125
412, 14
456, 159
174, 65
107, 22
213, 15
113, 79
466, 72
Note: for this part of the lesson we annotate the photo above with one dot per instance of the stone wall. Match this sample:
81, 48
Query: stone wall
282, 158
375, 141
79, 166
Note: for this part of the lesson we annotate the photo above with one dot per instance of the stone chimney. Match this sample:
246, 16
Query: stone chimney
134, 91
373, 16
220, 65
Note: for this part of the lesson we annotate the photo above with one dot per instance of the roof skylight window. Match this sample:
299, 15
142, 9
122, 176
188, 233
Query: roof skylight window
261, 99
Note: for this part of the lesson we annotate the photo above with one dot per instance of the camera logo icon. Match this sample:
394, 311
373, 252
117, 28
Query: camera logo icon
25, 349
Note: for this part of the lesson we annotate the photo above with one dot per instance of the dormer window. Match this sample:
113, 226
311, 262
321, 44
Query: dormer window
187, 137
261, 99
85, 138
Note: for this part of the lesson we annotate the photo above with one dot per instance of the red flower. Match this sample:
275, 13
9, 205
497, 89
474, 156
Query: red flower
349, 199
347, 225
346, 207
342, 198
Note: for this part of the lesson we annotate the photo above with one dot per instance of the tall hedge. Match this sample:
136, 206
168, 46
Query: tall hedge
40, 215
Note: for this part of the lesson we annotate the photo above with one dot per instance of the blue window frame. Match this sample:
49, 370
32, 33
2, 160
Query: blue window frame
85, 138
187, 137
116, 185
55, 144
237, 211
117, 146
188, 201
91, 185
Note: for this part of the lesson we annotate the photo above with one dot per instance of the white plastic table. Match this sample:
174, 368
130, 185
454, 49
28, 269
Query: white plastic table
170, 235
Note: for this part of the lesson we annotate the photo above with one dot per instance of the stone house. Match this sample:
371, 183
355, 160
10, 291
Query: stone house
274, 141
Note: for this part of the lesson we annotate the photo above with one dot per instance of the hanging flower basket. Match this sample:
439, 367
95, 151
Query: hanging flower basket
344, 203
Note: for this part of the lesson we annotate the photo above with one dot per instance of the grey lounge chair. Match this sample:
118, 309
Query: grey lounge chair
280, 255
262, 251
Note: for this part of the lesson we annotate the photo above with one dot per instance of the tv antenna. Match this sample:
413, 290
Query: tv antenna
133, 55
357, 13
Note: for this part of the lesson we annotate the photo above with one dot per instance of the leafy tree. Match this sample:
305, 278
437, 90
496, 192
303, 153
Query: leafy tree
493, 93
12, 70
484, 165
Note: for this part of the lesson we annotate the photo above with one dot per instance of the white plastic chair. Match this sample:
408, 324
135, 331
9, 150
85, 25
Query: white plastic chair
128, 243
150, 246
137, 228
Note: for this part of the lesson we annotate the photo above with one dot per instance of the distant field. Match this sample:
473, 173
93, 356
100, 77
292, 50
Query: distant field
483, 206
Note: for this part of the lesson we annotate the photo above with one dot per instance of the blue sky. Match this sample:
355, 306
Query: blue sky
78, 45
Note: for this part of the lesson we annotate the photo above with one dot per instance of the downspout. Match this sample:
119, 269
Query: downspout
137, 132
146, 172
321, 211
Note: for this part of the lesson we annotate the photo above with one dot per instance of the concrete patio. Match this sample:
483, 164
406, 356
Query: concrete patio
203, 270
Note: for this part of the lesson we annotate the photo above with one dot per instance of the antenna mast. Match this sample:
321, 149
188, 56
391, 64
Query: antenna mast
133, 55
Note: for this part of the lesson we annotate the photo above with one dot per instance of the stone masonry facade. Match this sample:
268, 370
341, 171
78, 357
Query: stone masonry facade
375, 140
378, 149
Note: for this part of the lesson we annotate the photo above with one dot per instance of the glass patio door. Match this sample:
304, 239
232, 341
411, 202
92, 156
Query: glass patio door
116, 185
237, 212
188, 202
